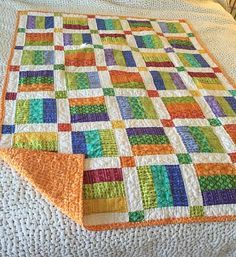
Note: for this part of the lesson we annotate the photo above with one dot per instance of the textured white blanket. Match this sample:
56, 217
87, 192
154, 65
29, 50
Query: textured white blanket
29, 226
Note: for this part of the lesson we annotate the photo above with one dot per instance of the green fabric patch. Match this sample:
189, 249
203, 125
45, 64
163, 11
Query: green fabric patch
196, 211
214, 122
108, 92
219, 182
61, 94
184, 158
136, 216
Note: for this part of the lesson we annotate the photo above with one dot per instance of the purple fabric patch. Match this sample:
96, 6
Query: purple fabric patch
88, 117
224, 196
109, 56
145, 131
30, 22
215, 107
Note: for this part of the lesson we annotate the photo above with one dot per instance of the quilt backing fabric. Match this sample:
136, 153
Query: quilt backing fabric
143, 101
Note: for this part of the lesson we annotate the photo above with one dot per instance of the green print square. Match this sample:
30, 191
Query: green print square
136, 216
59, 67
21, 30
196, 211
184, 158
232, 92
98, 46
108, 92
180, 68
61, 94
214, 122
94, 31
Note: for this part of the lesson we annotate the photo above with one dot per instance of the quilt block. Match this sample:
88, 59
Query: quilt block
147, 105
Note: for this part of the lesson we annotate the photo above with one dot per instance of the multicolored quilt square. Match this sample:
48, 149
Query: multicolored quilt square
81, 57
149, 141
222, 106
136, 108
82, 80
124, 79
36, 111
143, 101
140, 25
75, 23
96, 185
39, 39
200, 139
217, 183
94, 143
108, 24
37, 57
167, 80
149, 41
41, 80
40, 22
118, 57
183, 107
77, 39
162, 186
157, 60
88, 109
171, 27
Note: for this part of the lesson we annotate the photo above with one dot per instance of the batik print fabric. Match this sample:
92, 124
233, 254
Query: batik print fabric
153, 114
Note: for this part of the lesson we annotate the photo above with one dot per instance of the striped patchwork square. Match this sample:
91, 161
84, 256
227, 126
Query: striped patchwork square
77, 39
119, 57
171, 27
75, 23
206, 80
181, 43
106, 187
94, 143
113, 39
149, 141
108, 24
193, 60
157, 60
167, 80
82, 80
136, 108
40, 22
41, 80
222, 106
200, 139
183, 107
140, 25
39, 39
149, 41
217, 183
37, 57
124, 79
45, 141
36, 111
80, 57
162, 186
88, 109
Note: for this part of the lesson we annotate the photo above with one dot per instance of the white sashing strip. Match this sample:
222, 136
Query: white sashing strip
191, 185
132, 188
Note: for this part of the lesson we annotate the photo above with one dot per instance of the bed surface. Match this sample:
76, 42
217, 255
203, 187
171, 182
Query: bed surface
33, 227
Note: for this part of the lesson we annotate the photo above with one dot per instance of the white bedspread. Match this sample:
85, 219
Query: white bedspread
30, 226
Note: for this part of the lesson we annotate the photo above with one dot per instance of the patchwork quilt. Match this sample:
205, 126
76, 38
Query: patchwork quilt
149, 108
